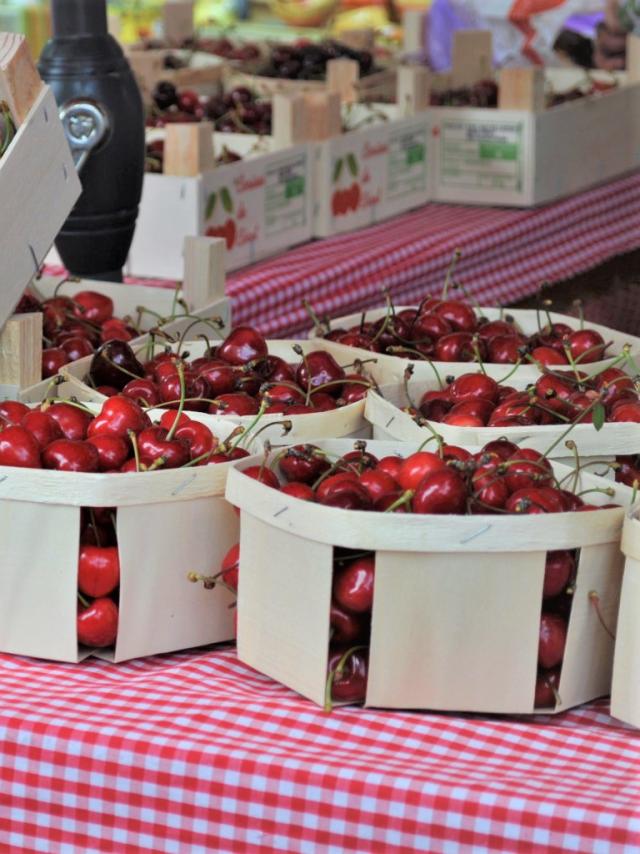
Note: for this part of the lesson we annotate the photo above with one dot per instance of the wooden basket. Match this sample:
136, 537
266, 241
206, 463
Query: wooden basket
39, 185
386, 413
625, 692
390, 369
457, 599
345, 422
169, 523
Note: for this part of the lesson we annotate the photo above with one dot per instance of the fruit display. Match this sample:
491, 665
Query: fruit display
72, 459
308, 60
387, 582
484, 94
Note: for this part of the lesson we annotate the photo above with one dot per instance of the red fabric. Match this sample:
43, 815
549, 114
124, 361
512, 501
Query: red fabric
195, 752
507, 255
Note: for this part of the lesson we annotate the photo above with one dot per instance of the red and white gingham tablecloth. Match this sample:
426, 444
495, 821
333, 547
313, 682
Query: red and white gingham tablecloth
195, 752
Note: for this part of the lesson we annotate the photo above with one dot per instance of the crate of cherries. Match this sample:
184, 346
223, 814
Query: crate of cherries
448, 580
127, 504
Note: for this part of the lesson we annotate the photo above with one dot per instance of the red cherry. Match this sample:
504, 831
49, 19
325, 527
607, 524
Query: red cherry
546, 696
92, 306
98, 570
72, 420
153, 445
263, 475
548, 356
220, 377
430, 326
98, 623
552, 640
473, 386
559, 568
119, 416
113, 452
299, 490
379, 484
303, 463
118, 330
53, 358
77, 347
243, 344
230, 566
417, 466
349, 685
501, 447
527, 467
626, 412
440, 492
41, 426
532, 501
143, 391
73, 455
285, 394
188, 101
199, 438
586, 345
19, 448
236, 403
391, 465
460, 315
346, 628
472, 412
459, 347
498, 329
343, 490
434, 405
505, 349
614, 384
318, 368
353, 585
12, 412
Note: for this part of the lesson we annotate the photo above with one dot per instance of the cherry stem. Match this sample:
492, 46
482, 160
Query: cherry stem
92, 523
450, 271
321, 327
578, 305
564, 435
216, 324
476, 353
402, 501
183, 393
71, 401
404, 349
508, 376
387, 318
82, 600
136, 450
594, 598
247, 430
609, 491
337, 672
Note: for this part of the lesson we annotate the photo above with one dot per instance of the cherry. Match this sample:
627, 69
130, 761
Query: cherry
360, 459
350, 684
546, 696
285, 394
586, 345
548, 356
501, 447
472, 412
97, 623
236, 403
299, 490
379, 484
114, 363
473, 386
53, 358
458, 314
42, 426
143, 391
440, 492
263, 475
613, 384
98, 570
531, 501
76, 347
154, 446
434, 405
243, 344
276, 370
323, 402
353, 585
230, 566
70, 455
391, 465
459, 347
303, 463
497, 329
559, 568
116, 329
92, 306
12, 412
417, 466
527, 467
626, 412
72, 420
319, 368
343, 490
551, 641
19, 448
504, 349
352, 392
119, 416
431, 326
113, 452
220, 377
195, 390
199, 438
346, 627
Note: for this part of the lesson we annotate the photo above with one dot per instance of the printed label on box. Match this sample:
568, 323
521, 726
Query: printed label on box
482, 155
284, 196
407, 162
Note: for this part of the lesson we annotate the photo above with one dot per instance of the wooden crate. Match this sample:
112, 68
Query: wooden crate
205, 73
39, 184
160, 610
346, 421
390, 369
523, 154
457, 599
625, 691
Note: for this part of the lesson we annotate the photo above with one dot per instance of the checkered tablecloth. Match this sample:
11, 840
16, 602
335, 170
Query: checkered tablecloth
195, 753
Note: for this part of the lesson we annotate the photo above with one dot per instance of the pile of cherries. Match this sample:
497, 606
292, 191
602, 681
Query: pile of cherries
557, 397
236, 111
308, 60
484, 93
75, 327
236, 377
449, 330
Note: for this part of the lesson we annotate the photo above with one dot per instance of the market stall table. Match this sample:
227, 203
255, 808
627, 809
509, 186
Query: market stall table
195, 752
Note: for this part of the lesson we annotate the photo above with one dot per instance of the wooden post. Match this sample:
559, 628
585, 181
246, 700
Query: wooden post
289, 120
19, 80
147, 66
363, 39
413, 89
633, 58
472, 57
178, 21
188, 149
521, 89
21, 350
204, 278
323, 115
342, 74
414, 23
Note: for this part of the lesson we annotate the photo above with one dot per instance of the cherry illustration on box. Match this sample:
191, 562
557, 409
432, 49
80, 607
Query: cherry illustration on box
347, 192
221, 217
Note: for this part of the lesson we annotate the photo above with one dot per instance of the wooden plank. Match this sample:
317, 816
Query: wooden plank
204, 277
21, 350
323, 117
289, 119
521, 89
413, 89
342, 75
37, 172
472, 56
177, 16
188, 149
413, 30
19, 79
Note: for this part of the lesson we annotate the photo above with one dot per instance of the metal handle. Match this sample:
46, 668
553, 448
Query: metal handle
85, 125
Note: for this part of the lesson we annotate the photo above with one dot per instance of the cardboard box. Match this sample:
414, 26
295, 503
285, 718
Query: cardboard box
457, 599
